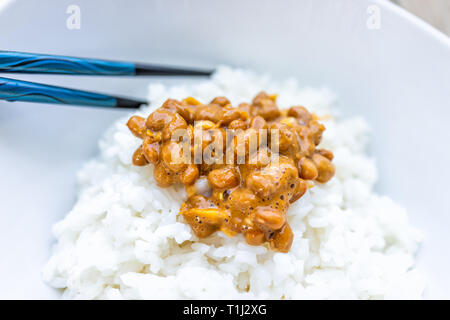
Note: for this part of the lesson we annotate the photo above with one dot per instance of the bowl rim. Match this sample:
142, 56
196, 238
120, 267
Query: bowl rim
415, 20
387, 4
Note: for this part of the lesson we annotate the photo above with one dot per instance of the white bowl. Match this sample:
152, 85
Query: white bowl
397, 77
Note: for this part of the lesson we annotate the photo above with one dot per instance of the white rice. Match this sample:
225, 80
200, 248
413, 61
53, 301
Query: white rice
123, 238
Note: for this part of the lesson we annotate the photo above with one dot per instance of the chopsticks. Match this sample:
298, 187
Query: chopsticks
20, 62
17, 90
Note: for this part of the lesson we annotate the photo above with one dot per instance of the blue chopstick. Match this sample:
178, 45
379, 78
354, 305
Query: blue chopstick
21, 62
17, 90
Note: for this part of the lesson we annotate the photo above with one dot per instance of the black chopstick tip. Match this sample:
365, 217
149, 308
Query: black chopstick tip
129, 103
154, 70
